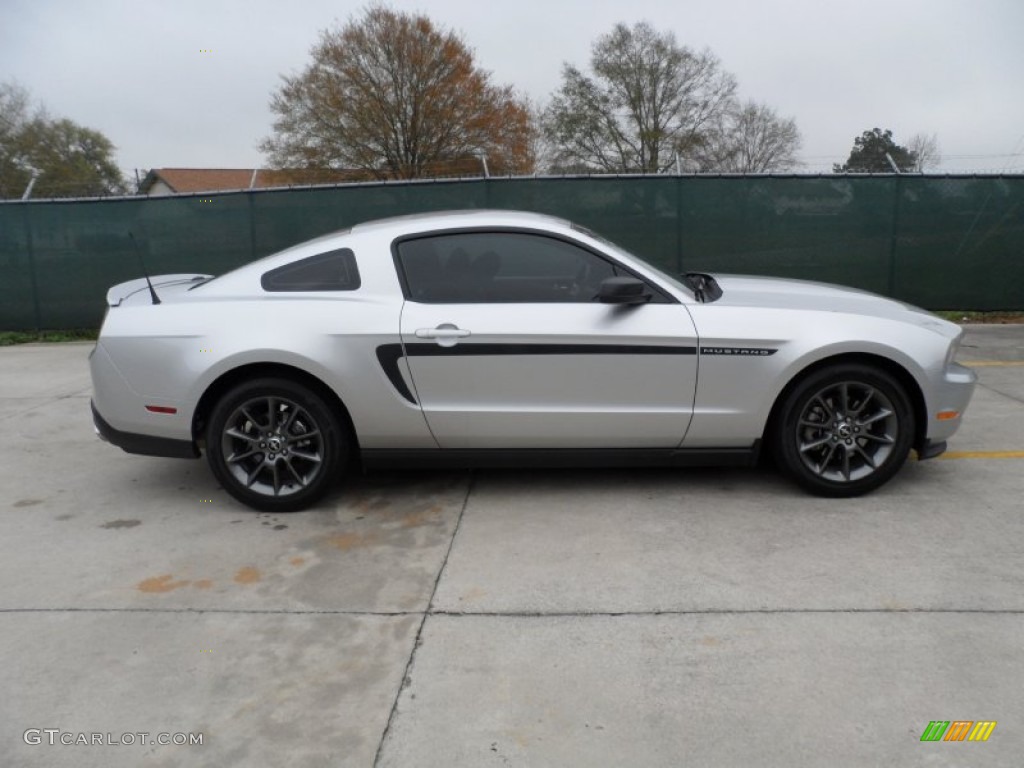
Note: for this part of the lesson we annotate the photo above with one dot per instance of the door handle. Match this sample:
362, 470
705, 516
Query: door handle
446, 334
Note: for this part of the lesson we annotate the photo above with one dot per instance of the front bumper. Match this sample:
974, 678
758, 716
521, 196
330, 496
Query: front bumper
145, 445
951, 393
931, 449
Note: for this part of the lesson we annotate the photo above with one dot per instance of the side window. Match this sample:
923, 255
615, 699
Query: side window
501, 267
331, 271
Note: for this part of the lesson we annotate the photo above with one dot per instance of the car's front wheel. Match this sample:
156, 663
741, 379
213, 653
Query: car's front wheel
275, 445
844, 430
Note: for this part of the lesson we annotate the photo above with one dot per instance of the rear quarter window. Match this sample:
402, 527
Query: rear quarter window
332, 271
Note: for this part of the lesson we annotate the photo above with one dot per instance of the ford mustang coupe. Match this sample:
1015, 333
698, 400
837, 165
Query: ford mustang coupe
497, 338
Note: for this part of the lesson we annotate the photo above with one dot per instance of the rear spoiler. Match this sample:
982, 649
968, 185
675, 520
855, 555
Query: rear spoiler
122, 291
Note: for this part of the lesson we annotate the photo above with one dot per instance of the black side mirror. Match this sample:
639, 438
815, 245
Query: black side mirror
623, 290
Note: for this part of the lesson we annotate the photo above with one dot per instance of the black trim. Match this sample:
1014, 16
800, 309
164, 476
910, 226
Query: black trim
470, 349
738, 351
658, 290
931, 449
558, 458
145, 445
388, 356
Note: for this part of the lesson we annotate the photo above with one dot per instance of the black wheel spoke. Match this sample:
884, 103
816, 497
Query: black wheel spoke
251, 477
815, 444
868, 459
237, 433
296, 475
884, 413
239, 456
292, 413
249, 417
300, 454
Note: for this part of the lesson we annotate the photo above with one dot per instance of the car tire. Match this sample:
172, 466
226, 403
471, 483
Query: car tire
844, 430
275, 444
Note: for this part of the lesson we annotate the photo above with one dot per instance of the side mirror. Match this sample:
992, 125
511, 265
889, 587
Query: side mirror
623, 290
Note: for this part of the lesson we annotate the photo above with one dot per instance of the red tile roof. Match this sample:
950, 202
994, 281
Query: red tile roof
187, 180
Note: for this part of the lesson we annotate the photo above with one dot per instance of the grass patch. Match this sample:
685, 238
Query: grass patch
960, 316
7, 338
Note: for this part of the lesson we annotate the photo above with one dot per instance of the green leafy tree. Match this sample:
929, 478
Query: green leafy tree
69, 160
397, 97
869, 154
647, 99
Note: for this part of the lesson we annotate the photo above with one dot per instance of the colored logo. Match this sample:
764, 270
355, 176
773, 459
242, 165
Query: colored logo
958, 730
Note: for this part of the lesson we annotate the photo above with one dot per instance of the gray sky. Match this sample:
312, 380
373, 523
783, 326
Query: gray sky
134, 69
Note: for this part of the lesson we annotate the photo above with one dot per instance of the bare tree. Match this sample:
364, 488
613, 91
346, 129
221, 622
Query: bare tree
394, 95
925, 149
647, 99
750, 138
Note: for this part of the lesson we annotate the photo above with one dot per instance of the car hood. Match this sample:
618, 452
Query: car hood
168, 288
773, 292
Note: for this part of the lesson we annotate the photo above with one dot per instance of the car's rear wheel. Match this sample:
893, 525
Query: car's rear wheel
844, 430
275, 445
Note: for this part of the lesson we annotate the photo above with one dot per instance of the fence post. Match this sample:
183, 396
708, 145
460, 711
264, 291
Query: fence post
252, 227
894, 235
37, 314
679, 221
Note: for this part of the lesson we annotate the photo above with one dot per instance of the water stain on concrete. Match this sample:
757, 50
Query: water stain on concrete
247, 575
62, 518
121, 524
163, 583
203, 584
473, 594
280, 527
349, 541
27, 502
297, 561
421, 517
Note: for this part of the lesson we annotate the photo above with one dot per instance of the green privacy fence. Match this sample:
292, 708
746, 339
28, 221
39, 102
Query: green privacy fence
942, 242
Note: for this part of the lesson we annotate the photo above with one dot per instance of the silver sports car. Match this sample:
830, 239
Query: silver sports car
497, 338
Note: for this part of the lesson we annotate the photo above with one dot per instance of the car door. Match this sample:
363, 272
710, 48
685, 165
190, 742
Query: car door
508, 348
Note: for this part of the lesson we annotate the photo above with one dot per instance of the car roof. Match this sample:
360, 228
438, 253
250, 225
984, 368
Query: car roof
462, 218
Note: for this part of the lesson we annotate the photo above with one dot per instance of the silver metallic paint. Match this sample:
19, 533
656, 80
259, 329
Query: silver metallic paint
172, 353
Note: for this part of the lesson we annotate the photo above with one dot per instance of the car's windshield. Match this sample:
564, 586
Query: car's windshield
618, 250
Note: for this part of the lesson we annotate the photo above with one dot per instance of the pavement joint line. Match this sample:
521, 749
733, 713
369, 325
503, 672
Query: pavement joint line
419, 631
50, 400
1000, 392
520, 614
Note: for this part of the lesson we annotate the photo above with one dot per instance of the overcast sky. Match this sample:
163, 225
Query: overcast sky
134, 69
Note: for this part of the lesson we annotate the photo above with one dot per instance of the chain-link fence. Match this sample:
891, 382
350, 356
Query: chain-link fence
942, 242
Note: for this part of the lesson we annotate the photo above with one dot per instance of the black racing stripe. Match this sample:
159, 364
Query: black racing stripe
469, 349
388, 356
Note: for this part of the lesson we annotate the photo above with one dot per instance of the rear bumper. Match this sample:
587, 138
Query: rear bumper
145, 445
